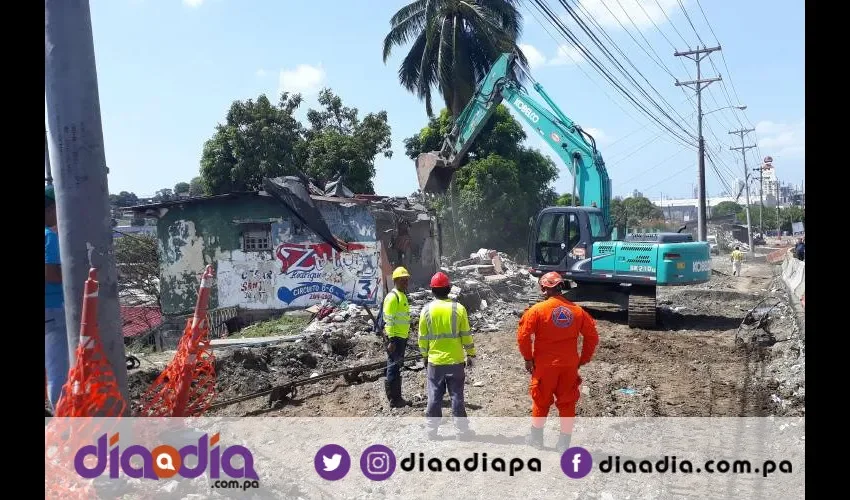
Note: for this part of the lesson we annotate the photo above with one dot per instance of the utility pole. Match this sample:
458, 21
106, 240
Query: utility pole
761, 198
48, 179
75, 140
778, 225
743, 150
698, 85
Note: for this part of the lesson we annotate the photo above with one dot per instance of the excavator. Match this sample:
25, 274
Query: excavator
579, 242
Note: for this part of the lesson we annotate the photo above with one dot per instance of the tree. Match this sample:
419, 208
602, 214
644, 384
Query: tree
138, 269
725, 208
635, 213
257, 140
260, 140
164, 194
566, 200
123, 199
196, 187
339, 144
501, 187
455, 43
182, 188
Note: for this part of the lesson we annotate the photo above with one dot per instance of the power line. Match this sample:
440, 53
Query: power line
559, 26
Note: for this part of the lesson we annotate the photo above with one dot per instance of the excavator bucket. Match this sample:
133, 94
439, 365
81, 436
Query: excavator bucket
433, 173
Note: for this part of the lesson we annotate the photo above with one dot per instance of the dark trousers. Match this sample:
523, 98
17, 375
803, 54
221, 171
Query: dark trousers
394, 359
440, 378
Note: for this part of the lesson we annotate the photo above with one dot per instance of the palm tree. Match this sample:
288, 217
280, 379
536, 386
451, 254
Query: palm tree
456, 43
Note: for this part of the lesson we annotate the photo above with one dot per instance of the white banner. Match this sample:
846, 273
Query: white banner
610, 458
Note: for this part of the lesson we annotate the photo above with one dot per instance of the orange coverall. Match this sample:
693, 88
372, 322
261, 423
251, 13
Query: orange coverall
556, 324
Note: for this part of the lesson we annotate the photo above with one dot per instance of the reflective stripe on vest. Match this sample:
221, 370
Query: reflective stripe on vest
445, 347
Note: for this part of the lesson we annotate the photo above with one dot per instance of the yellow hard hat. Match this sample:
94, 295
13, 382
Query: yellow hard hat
400, 272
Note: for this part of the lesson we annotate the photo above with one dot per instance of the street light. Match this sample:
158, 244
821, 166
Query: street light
740, 107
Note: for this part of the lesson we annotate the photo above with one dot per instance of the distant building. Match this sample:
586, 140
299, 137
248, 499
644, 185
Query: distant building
685, 210
268, 257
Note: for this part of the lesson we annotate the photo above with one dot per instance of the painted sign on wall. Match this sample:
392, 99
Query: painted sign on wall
298, 275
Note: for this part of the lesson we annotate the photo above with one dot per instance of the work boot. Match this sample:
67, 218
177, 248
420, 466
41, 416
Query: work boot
388, 389
563, 442
395, 393
535, 438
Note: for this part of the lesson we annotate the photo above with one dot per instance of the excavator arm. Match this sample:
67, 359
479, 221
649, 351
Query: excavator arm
575, 146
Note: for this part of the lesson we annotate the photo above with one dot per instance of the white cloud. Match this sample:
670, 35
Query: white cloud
261, 73
535, 58
193, 3
304, 79
567, 54
782, 140
611, 14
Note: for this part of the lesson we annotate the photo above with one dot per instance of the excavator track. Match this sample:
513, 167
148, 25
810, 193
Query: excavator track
643, 308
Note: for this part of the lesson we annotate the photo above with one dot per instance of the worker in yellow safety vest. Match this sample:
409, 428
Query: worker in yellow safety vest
737, 261
444, 341
396, 313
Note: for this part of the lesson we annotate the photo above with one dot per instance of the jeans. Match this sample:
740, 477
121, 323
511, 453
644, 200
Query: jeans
55, 352
440, 378
394, 359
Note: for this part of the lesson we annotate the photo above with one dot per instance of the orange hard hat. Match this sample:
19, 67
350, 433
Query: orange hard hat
440, 280
551, 279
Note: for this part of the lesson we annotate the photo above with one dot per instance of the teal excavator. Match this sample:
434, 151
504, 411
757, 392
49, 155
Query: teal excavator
579, 242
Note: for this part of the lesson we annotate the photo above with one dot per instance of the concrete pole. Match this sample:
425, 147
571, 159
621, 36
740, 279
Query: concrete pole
743, 149
48, 179
75, 140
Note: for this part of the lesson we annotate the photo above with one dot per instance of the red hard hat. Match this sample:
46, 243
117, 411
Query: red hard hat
440, 280
551, 279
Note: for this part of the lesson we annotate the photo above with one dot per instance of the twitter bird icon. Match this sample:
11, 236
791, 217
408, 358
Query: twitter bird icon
332, 462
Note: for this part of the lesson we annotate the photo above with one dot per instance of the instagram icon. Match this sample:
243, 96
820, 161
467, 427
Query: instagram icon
377, 462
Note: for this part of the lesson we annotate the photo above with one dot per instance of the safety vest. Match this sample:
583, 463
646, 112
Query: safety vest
444, 333
737, 255
396, 314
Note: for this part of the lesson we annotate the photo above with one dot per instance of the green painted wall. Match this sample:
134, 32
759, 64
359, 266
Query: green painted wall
192, 235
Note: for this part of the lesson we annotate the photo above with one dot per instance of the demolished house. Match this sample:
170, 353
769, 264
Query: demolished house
290, 246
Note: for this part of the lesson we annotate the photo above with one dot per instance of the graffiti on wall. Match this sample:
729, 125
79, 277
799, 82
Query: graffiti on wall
313, 272
296, 275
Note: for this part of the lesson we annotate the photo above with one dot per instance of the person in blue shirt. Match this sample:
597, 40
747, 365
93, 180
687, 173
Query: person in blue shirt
56, 361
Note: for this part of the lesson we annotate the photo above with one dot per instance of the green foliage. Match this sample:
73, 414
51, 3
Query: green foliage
498, 192
259, 140
636, 213
455, 43
285, 325
196, 187
123, 199
182, 188
787, 215
566, 200
164, 194
726, 208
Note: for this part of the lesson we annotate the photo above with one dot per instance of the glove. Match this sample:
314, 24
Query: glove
529, 365
469, 362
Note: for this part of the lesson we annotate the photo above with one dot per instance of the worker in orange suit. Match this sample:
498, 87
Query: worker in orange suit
552, 357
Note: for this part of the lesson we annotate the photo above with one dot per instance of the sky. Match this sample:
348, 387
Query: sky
168, 70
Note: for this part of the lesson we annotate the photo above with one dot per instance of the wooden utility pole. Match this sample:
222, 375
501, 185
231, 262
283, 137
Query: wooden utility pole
698, 85
78, 168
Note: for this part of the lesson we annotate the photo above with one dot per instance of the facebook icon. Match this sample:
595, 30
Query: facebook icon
576, 462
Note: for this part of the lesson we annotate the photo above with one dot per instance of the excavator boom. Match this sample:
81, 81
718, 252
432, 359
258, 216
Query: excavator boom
576, 147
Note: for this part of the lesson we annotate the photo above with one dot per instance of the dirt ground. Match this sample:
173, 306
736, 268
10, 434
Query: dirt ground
700, 362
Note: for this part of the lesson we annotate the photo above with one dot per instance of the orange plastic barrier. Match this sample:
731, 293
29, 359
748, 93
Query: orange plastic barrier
187, 385
90, 391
